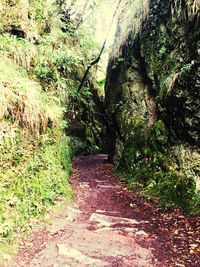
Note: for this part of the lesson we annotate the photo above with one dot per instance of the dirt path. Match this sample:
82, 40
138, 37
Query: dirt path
108, 225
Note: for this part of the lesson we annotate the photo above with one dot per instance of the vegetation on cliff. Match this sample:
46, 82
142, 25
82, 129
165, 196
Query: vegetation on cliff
43, 58
152, 100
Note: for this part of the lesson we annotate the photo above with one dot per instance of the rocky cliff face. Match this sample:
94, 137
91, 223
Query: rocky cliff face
153, 96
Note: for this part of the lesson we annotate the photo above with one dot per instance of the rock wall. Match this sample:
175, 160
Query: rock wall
153, 96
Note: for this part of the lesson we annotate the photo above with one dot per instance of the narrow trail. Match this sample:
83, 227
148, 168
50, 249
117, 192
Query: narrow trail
108, 225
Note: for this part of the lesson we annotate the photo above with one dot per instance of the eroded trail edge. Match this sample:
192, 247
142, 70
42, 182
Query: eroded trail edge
108, 225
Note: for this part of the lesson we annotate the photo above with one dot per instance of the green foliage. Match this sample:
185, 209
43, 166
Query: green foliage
31, 180
148, 166
185, 69
21, 51
175, 188
89, 46
162, 50
77, 146
68, 58
41, 59
44, 72
83, 110
44, 13
102, 82
66, 154
23, 101
35, 160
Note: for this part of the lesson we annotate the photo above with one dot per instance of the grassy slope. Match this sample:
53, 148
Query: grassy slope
34, 85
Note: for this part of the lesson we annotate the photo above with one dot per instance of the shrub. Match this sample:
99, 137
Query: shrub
147, 163
31, 179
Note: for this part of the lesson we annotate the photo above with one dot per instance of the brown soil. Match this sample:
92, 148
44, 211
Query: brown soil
108, 225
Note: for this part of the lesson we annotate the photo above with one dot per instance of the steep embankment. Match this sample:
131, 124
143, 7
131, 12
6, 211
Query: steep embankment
35, 152
152, 98
44, 52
